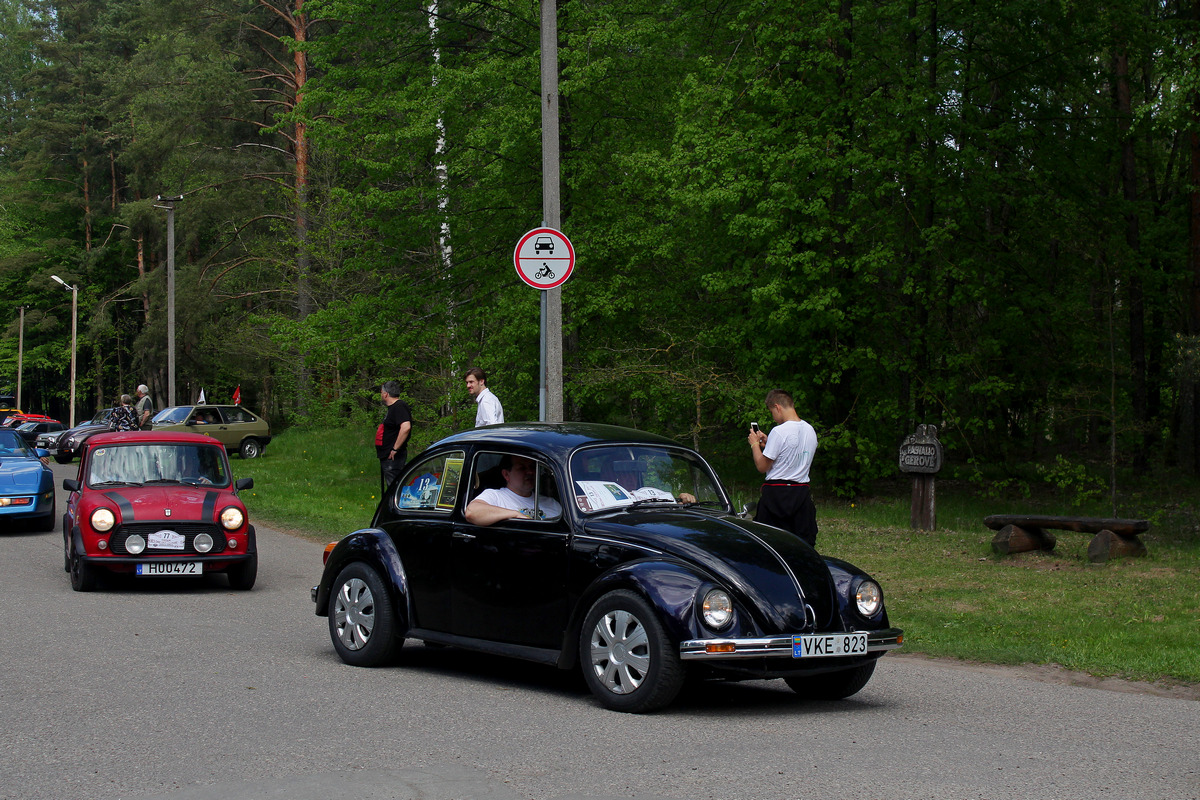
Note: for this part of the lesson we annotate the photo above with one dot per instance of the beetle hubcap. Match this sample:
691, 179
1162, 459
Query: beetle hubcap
354, 614
620, 652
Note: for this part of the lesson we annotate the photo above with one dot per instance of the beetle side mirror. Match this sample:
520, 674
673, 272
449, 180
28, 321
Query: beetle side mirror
70, 484
749, 509
244, 483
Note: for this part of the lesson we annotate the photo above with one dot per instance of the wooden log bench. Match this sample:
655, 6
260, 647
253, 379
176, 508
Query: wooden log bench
1115, 538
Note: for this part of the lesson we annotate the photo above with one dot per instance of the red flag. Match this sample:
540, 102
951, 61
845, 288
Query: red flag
237, 395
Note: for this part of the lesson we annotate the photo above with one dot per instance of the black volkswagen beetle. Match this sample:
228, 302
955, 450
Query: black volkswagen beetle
626, 560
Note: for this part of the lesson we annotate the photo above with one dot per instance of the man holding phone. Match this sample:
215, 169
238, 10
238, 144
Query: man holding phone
785, 456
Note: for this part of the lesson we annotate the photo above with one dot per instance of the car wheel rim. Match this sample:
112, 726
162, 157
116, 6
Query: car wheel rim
620, 652
354, 614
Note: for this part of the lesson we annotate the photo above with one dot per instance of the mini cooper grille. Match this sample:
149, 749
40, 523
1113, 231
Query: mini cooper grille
190, 531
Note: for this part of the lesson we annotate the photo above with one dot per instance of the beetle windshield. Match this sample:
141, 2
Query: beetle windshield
138, 464
614, 476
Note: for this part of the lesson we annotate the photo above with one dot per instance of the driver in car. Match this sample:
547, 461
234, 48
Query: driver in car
515, 499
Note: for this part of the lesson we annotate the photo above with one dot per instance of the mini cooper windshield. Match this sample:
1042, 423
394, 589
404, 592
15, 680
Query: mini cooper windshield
141, 464
618, 476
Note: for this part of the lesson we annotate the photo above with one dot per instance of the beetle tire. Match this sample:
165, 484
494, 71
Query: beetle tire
242, 576
627, 659
362, 623
63, 459
832, 685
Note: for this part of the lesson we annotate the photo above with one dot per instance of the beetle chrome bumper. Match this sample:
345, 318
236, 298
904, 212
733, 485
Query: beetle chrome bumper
774, 646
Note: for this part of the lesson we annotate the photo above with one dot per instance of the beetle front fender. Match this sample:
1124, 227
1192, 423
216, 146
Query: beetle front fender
373, 547
671, 588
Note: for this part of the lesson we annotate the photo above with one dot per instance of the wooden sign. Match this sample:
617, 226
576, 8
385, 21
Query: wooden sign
921, 451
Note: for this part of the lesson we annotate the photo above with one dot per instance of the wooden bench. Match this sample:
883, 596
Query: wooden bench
1114, 537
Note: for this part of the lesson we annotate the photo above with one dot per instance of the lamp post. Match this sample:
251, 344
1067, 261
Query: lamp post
74, 329
170, 207
20, 352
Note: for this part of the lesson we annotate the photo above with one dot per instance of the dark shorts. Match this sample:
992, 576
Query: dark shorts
789, 506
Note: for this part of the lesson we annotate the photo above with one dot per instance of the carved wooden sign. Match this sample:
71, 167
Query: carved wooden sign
921, 451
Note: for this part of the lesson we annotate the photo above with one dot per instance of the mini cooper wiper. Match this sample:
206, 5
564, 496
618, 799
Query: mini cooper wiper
115, 483
163, 480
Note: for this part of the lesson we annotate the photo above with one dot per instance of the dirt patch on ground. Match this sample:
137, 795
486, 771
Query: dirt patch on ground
1053, 673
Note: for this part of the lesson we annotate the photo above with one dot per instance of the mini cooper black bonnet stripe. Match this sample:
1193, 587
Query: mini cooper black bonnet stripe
210, 505
124, 505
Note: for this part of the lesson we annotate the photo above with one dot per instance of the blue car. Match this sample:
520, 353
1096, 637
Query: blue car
26, 484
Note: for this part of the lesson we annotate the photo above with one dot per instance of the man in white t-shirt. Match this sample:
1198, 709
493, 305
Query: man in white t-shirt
488, 409
515, 500
786, 456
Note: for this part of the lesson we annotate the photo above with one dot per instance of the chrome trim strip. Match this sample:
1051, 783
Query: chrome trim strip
779, 646
591, 537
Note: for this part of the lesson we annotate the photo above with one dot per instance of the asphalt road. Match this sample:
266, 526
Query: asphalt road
191, 691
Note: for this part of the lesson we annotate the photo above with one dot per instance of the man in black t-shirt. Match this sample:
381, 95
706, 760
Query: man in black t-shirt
392, 435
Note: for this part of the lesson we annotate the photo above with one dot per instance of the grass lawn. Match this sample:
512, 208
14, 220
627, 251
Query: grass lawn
1128, 618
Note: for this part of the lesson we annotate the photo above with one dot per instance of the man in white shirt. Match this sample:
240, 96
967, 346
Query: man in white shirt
515, 500
786, 456
488, 409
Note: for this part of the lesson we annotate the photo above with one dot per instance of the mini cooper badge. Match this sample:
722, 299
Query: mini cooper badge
166, 512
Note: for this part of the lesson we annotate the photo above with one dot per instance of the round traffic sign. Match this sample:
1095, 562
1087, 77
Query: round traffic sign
544, 258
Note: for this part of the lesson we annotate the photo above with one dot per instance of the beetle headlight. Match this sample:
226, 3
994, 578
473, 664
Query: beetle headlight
717, 609
103, 519
135, 545
869, 598
232, 518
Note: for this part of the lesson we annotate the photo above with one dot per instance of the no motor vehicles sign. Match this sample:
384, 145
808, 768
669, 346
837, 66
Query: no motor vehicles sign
544, 258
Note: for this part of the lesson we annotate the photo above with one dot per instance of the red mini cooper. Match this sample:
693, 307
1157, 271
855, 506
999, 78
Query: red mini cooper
157, 504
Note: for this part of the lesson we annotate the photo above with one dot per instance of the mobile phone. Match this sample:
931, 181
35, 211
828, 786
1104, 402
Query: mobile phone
754, 427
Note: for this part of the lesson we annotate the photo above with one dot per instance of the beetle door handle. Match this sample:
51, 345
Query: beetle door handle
464, 535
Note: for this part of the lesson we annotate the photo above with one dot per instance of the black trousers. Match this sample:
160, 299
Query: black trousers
389, 470
789, 506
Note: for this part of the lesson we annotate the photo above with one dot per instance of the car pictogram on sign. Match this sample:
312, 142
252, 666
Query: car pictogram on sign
544, 258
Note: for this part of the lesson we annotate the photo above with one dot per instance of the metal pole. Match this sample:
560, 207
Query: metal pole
20, 352
171, 304
542, 355
551, 298
170, 207
74, 330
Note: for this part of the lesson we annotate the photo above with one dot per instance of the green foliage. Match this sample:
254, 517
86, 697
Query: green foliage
903, 214
1073, 480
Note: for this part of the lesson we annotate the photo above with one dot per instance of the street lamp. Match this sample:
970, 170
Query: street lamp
74, 329
170, 208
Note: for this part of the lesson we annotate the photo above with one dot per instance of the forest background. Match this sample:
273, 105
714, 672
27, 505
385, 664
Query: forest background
979, 215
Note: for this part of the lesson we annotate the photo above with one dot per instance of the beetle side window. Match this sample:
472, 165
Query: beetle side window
536, 493
433, 484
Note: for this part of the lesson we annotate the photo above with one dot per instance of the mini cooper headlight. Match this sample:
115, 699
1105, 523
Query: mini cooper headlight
869, 598
203, 543
135, 545
232, 518
717, 609
103, 519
